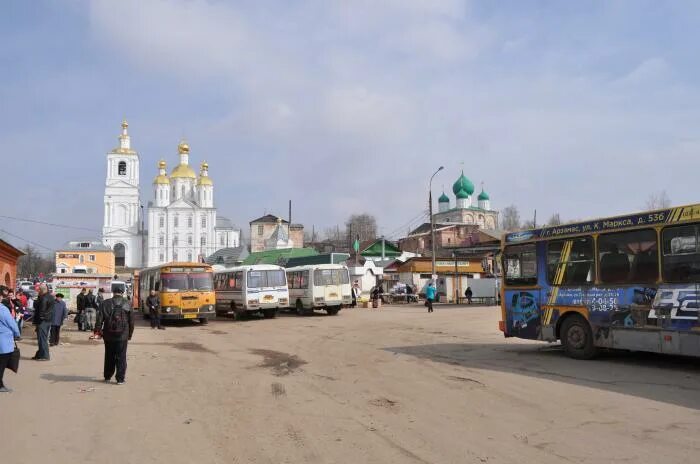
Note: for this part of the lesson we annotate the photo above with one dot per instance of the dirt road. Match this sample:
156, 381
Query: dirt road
396, 385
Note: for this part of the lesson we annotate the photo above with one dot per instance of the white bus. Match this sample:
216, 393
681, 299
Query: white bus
319, 286
251, 289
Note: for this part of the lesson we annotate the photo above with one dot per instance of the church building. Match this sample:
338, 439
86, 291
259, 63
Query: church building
466, 210
182, 221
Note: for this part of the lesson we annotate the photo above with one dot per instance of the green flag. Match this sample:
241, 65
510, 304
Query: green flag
356, 245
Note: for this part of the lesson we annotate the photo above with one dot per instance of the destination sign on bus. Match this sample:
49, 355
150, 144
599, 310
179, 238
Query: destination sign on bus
185, 269
602, 225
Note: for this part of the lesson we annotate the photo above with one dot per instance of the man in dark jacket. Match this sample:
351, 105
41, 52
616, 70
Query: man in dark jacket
43, 318
116, 324
153, 305
90, 311
60, 312
80, 306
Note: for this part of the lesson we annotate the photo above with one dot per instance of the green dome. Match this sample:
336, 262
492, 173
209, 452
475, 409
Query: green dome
483, 195
463, 186
443, 198
462, 194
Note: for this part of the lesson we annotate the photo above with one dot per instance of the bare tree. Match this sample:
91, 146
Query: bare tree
554, 220
510, 218
34, 263
361, 226
658, 200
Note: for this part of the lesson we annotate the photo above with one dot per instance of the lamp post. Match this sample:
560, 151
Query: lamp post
432, 221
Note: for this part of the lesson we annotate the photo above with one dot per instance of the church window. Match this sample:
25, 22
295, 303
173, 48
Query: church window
182, 191
161, 258
203, 241
121, 168
189, 221
189, 256
161, 240
174, 255
222, 240
161, 221
260, 229
189, 240
176, 221
204, 222
175, 240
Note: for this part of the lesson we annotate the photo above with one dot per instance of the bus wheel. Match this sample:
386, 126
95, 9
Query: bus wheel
577, 338
332, 311
269, 313
203, 320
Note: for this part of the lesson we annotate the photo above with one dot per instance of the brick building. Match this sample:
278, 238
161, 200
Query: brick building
8, 264
271, 232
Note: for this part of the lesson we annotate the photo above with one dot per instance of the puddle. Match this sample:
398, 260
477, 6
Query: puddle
281, 363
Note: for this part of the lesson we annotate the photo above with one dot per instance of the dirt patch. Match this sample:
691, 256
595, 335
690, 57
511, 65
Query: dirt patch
386, 403
281, 363
217, 332
189, 346
277, 390
465, 379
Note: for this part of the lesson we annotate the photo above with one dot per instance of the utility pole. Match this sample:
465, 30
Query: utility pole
432, 221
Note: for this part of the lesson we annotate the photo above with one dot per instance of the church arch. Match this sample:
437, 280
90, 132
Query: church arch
121, 168
119, 255
8, 280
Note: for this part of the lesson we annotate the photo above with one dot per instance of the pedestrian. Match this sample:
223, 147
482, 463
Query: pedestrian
100, 298
90, 311
468, 295
376, 295
19, 317
355, 293
59, 315
80, 306
430, 296
116, 324
8, 333
43, 318
409, 293
153, 305
6, 299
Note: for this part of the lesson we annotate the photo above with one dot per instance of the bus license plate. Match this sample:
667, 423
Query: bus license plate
190, 316
268, 297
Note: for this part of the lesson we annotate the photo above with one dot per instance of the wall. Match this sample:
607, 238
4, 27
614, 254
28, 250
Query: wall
103, 264
8, 266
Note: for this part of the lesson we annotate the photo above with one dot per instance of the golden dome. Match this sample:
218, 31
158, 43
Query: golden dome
204, 180
161, 164
183, 147
183, 170
124, 124
162, 180
205, 165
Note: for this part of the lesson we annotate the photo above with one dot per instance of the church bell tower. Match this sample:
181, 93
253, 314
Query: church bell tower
121, 230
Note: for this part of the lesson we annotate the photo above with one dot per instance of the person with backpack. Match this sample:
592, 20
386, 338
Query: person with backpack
116, 324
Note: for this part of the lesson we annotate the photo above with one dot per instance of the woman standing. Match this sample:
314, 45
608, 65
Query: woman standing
8, 333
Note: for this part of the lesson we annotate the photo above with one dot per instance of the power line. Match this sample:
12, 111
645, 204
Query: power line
34, 221
25, 240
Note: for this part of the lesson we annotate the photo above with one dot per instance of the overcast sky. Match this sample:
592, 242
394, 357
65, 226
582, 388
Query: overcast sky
582, 108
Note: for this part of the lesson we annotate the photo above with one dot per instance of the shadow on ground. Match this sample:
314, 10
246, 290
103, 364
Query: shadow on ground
669, 379
69, 378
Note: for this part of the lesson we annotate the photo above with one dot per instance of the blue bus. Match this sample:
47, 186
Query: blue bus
629, 282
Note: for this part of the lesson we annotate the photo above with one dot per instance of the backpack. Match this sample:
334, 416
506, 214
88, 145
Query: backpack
116, 323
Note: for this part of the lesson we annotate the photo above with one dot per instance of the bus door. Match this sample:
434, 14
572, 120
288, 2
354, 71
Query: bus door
522, 292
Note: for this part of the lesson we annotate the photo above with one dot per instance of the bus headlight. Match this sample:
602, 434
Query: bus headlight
283, 301
168, 309
252, 302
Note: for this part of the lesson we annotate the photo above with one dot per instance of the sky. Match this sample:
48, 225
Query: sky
582, 108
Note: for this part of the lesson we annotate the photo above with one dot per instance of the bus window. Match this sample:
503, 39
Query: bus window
276, 278
200, 281
570, 262
681, 260
628, 257
173, 282
521, 265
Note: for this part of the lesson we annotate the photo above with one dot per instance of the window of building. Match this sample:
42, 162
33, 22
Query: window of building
84, 244
176, 240
189, 240
521, 264
81, 259
204, 222
189, 256
260, 229
91, 257
681, 253
174, 255
203, 241
161, 240
161, 221
571, 262
121, 168
189, 222
627, 257
176, 221
182, 190
161, 257
222, 240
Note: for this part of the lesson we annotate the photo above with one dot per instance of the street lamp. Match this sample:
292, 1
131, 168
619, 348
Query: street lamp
432, 222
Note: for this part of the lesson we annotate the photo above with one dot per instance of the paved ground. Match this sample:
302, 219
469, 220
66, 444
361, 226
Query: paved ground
391, 386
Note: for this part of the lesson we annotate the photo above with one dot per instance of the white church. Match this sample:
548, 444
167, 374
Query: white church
182, 220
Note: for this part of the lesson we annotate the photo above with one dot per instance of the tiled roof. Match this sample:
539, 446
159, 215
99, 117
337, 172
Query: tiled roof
268, 218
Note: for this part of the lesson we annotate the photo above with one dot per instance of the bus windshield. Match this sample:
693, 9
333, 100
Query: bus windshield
272, 278
179, 282
118, 287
